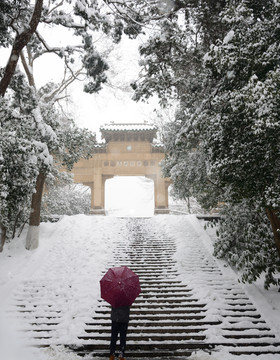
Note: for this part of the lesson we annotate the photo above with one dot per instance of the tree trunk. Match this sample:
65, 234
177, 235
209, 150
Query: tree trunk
32, 238
275, 224
3, 237
21, 40
27, 68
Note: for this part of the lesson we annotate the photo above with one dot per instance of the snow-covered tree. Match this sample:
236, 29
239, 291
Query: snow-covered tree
186, 165
245, 240
18, 169
219, 62
242, 111
172, 67
33, 144
25, 24
32, 29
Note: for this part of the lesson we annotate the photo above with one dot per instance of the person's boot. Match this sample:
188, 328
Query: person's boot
112, 357
121, 357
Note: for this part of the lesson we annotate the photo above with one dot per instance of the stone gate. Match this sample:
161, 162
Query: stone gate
128, 150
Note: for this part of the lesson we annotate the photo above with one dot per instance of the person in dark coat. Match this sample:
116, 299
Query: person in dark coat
120, 319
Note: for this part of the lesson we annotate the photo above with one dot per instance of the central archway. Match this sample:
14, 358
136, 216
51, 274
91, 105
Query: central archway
130, 196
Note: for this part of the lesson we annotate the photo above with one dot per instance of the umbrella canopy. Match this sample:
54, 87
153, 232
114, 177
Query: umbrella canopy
120, 286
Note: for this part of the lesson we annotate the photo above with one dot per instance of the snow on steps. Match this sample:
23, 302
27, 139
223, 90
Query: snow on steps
167, 320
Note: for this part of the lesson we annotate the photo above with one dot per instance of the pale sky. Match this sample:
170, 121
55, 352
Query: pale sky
111, 103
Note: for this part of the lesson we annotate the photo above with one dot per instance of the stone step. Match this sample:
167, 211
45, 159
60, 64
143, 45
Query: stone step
151, 317
164, 290
157, 286
156, 270
156, 335
159, 251
148, 262
147, 337
249, 336
163, 324
134, 312
144, 306
176, 347
148, 267
167, 345
149, 330
161, 302
141, 354
150, 281
252, 321
155, 279
162, 296
179, 354
144, 260
239, 329
151, 245
256, 351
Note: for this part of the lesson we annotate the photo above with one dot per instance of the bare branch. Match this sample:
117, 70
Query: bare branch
55, 7
27, 70
64, 84
55, 50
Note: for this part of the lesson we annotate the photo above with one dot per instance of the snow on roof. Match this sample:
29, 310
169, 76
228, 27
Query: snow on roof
128, 127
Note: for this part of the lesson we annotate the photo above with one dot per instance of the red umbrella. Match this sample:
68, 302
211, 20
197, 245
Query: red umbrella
120, 286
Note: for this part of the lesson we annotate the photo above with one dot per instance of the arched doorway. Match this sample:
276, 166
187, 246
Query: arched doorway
129, 196
128, 150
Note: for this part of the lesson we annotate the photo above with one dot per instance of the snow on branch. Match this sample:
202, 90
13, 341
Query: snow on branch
45, 130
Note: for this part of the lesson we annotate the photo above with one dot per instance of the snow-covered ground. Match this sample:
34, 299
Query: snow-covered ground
72, 255
70, 260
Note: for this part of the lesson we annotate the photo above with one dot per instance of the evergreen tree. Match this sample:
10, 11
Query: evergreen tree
24, 24
18, 169
32, 143
173, 68
242, 110
245, 240
219, 61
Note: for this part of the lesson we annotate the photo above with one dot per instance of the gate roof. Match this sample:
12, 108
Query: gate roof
128, 132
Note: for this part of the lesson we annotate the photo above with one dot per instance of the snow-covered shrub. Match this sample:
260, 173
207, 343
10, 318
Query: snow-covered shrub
64, 198
18, 168
245, 240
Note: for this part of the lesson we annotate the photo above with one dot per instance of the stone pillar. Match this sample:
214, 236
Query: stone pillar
161, 196
90, 185
97, 195
104, 178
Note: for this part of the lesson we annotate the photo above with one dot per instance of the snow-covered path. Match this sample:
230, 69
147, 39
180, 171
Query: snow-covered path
61, 276
58, 284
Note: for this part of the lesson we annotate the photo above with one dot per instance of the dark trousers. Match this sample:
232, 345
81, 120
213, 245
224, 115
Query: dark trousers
118, 328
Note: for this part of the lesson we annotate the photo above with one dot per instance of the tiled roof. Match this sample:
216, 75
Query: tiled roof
128, 127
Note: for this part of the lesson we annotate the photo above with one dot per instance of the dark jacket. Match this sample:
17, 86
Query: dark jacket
120, 314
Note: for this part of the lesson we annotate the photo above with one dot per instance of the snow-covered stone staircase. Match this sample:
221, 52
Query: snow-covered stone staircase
169, 319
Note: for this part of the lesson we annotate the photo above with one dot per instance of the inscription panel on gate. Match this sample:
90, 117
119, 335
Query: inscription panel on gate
128, 163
